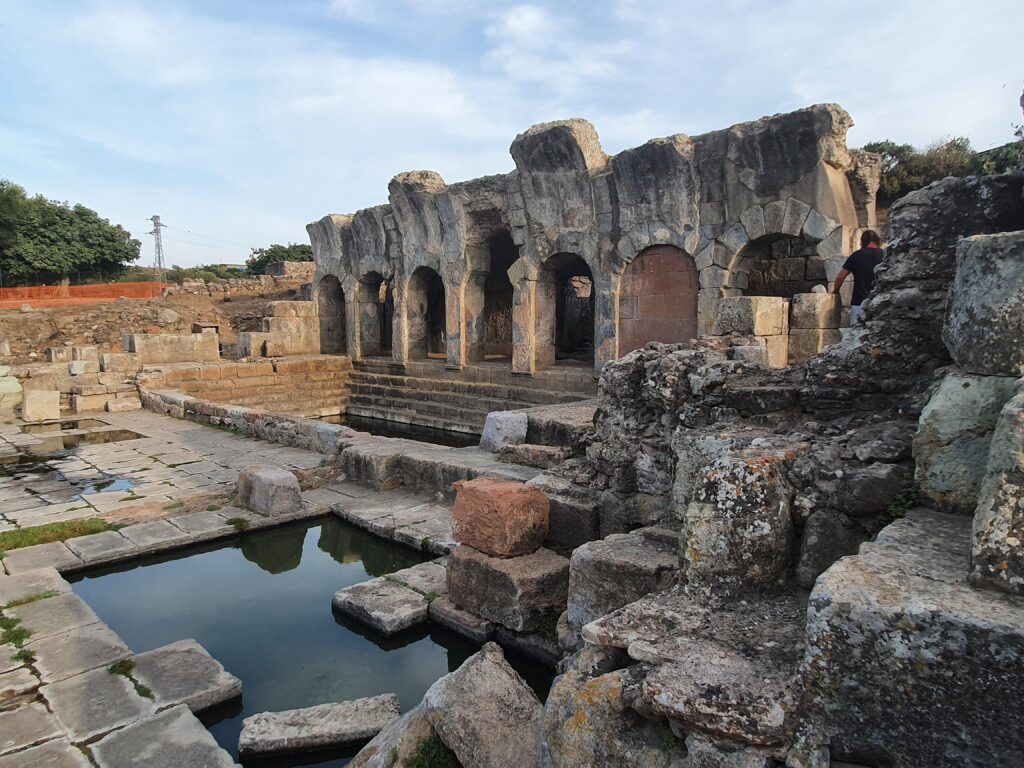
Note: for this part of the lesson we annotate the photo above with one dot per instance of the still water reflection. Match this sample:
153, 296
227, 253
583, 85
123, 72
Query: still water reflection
262, 607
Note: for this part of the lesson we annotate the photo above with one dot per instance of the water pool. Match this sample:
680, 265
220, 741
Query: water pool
261, 605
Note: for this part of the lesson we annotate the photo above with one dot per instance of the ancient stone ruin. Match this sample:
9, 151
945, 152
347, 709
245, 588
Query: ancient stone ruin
634, 440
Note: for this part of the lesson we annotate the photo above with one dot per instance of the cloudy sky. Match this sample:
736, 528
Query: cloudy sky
239, 121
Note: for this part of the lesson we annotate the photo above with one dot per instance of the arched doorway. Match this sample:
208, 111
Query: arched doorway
780, 265
498, 297
565, 311
331, 310
427, 314
658, 298
376, 310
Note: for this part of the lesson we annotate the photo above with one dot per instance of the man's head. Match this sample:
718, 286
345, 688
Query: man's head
869, 238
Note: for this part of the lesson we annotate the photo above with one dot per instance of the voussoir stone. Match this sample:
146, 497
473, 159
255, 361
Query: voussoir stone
317, 727
268, 489
185, 673
522, 593
500, 518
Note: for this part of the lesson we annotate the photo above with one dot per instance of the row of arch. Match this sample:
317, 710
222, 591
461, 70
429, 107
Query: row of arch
657, 301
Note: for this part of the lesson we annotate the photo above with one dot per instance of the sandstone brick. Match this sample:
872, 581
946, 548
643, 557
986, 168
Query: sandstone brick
40, 405
78, 367
501, 518
521, 593
81, 403
815, 310
805, 343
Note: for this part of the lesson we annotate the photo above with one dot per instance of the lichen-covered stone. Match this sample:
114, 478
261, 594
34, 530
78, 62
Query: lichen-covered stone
984, 326
825, 539
870, 490
499, 517
752, 316
997, 553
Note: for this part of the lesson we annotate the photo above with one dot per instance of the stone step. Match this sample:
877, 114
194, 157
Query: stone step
727, 668
405, 416
533, 395
418, 412
479, 402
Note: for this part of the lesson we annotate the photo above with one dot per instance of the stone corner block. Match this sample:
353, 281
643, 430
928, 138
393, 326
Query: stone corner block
269, 490
501, 518
40, 405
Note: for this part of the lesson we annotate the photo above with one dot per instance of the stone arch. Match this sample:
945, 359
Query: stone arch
498, 296
565, 310
657, 298
426, 313
330, 298
376, 312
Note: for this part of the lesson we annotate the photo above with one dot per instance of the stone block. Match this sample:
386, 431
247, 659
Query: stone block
171, 739
442, 611
384, 605
503, 428
752, 316
825, 539
269, 490
26, 726
951, 445
538, 456
54, 615
805, 343
184, 673
81, 403
58, 753
79, 367
95, 703
54, 554
870, 490
906, 661
293, 308
102, 547
318, 727
174, 347
521, 593
500, 518
755, 355
122, 404
815, 310
154, 536
997, 557
984, 325
79, 650
85, 353
40, 405
58, 354
119, 362
32, 583
608, 574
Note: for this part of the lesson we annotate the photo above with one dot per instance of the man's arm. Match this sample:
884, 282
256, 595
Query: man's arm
843, 273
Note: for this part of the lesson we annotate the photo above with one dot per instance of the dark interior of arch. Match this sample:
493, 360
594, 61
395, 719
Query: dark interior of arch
377, 308
427, 314
782, 265
574, 307
498, 296
331, 312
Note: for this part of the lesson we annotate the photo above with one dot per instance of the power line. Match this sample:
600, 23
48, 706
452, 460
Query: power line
208, 237
204, 245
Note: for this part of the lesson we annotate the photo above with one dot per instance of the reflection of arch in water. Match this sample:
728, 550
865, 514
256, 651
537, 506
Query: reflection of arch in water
565, 310
331, 311
425, 299
276, 552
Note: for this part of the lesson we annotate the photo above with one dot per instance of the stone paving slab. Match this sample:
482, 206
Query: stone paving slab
384, 605
443, 612
202, 525
318, 727
172, 739
26, 727
82, 649
59, 753
15, 684
155, 536
52, 555
102, 547
30, 584
54, 615
426, 578
95, 703
184, 673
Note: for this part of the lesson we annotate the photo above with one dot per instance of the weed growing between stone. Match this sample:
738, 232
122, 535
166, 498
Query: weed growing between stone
125, 667
238, 523
14, 635
50, 532
432, 753
31, 598
25, 656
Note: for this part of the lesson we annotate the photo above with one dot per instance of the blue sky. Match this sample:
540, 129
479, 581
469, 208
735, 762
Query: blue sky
239, 122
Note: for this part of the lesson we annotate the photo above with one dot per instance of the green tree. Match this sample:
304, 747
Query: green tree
260, 257
45, 241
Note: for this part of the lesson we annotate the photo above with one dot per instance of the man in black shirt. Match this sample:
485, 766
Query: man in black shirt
861, 264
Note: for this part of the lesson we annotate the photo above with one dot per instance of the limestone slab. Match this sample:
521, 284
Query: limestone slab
317, 727
82, 649
425, 578
202, 525
815, 310
55, 615
172, 739
269, 489
384, 605
30, 584
94, 703
52, 555
184, 673
58, 753
443, 612
25, 727
16, 683
40, 405
102, 547
154, 536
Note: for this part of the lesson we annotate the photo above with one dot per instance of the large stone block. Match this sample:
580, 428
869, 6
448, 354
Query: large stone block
906, 662
40, 405
501, 518
269, 489
815, 310
997, 554
522, 593
173, 347
78, 367
608, 574
503, 428
984, 325
805, 343
951, 444
752, 316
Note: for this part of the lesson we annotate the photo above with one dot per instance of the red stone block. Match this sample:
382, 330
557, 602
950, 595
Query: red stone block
501, 518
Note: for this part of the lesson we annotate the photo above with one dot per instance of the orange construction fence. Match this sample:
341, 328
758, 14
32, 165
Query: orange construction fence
55, 295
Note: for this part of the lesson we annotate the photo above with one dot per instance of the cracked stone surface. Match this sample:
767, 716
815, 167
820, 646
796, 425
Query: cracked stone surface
172, 739
384, 605
184, 673
94, 703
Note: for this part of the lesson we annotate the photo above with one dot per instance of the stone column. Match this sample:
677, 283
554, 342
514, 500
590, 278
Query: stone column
400, 321
454, 348
474, 319
545, 306
606, 319
350, 286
